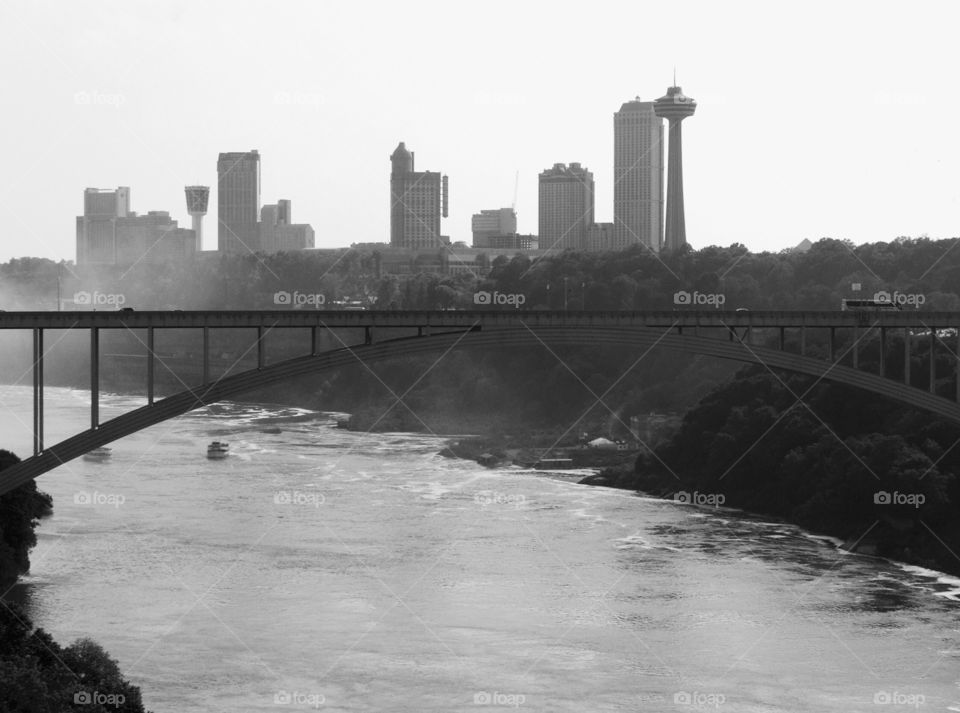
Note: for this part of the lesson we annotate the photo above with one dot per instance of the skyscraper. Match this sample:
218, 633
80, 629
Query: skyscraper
637, 176
417, 202
238, 202
675, 107
566, 206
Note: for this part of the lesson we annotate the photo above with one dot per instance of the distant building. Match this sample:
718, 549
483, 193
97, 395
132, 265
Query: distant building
675, 106
279, 234
417, 202
198, 198
638, 190
109, 233
566, 206
513, 242
238, 202
442, 261
602, 236
154, 238
493, 223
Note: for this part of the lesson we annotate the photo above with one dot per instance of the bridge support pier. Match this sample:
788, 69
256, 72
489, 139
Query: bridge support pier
206, 355
37, 391
94, 377
833, 345
368, 335
933, 363
856, 346
782, 338
883, 351
261, 357
151, 363
906, 356
314, 343
803, 341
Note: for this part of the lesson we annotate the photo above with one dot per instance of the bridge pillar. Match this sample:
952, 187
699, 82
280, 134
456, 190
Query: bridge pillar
803, 341
856, 344
206, 355
833, 344
906, 356
261, 357
150, 365
933, 364
368, 335
94, 377
883, 351
37, 391
782, 338
314, 343
956, 364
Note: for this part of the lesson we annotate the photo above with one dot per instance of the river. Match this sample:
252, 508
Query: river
318, 569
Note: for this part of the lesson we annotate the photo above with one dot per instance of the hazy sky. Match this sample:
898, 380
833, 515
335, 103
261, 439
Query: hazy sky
814, 119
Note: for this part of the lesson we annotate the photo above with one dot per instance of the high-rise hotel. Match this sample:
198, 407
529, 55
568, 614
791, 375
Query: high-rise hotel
638, 195
417, 202
566, 206
238, 202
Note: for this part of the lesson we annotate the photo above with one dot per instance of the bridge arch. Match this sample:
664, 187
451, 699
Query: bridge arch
182, 402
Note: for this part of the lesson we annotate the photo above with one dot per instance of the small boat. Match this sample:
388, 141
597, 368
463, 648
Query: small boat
218, 450
98, 454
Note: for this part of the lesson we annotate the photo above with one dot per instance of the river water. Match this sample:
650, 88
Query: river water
317, 569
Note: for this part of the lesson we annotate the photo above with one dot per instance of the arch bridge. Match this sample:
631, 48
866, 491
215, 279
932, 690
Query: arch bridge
776, 339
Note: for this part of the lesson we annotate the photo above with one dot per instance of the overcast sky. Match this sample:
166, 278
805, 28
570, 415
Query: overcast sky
813, 119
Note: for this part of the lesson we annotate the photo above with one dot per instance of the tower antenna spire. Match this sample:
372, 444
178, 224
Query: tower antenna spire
674, 75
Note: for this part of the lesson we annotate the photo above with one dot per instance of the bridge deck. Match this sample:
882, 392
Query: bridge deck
468, 318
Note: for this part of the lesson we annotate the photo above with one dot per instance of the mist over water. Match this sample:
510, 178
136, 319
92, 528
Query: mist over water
344, 571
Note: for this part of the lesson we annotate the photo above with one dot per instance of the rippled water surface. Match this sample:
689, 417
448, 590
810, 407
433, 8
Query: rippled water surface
353, 572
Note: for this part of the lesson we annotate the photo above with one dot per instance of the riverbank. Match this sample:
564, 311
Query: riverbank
904, 540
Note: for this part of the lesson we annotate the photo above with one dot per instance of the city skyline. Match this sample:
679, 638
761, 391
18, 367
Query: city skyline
107, 107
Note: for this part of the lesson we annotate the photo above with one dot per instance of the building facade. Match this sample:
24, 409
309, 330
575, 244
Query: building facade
279, 234
417, 202
566, 206
238, 202
109, 233
495, 223
602, 236
638, 188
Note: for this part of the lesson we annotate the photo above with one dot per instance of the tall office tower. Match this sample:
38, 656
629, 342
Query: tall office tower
489, 224
97, 227
637, 176
417, 202
198, 198
675, 107
238, 202
566, 206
